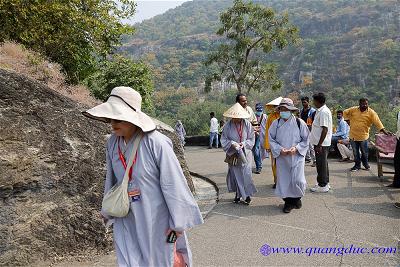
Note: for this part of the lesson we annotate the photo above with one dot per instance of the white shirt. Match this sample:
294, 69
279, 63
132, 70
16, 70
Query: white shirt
253, 118
214, 125
323, 117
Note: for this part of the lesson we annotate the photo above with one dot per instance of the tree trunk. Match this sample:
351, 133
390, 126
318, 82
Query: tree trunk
239, 87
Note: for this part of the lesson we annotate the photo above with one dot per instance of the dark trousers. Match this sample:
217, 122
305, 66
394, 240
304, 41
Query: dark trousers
363, 147
322, 166
257, 153
396, 180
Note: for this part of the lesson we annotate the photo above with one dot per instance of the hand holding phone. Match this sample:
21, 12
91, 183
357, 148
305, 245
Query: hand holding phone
172, 236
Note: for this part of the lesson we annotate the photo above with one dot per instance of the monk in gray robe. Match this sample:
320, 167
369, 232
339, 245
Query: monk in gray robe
289, 139
160, 199
237, 141
180, 131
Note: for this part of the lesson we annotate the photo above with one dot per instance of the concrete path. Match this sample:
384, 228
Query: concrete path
358, 211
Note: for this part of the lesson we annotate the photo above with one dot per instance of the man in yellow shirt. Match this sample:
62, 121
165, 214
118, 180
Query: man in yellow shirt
360, 120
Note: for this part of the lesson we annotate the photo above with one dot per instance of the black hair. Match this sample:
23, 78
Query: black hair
363, 99
212, 114
339, 111
320, 97
238, 96
305, 98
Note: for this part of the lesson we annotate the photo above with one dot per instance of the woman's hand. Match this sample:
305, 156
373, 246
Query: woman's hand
284, 152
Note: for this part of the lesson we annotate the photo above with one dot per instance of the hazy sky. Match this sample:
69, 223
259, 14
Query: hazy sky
149, 8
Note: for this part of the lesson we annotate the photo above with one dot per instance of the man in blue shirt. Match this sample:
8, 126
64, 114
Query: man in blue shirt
342, 130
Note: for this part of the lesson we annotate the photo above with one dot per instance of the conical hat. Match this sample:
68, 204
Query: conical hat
275, 102
236, 112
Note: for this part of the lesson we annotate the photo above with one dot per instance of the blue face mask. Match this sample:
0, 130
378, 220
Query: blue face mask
259, 113
285, 114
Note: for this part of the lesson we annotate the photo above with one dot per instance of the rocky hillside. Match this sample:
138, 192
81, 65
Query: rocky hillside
51, 174
349, 47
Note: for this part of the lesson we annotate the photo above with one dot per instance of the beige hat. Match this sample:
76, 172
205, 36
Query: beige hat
236, 112
287, 103
124, 104
275, 102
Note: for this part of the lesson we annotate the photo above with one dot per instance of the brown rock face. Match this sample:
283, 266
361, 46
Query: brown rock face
52, 167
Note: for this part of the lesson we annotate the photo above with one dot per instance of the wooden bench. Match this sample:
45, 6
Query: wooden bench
385, 147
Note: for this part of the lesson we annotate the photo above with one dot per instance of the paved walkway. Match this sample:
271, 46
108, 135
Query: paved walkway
357, 211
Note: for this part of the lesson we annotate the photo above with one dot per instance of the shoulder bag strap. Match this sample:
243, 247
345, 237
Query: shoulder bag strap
132, 157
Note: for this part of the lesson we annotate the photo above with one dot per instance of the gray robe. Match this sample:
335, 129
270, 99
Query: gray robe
180, 131
166, 202
291, 181
239, 178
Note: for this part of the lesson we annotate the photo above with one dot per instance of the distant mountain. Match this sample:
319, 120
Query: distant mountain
350, 48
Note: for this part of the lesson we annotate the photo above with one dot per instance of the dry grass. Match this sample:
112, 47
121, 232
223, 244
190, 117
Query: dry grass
15, 57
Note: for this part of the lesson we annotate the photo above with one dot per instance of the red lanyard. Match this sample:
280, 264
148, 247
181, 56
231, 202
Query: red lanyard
122, 159
239, 131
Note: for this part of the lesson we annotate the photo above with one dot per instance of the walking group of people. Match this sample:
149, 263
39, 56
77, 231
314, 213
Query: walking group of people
147, 198
292, 138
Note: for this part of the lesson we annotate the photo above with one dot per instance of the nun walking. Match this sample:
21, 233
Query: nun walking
161, 206
180, 131
289, 139
237, 141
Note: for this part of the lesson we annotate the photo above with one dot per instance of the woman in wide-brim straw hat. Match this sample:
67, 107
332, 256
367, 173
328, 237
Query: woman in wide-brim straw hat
160, 199
273, 115
237, 141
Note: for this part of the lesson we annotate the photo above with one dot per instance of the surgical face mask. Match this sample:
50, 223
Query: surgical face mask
259, 113
285, 114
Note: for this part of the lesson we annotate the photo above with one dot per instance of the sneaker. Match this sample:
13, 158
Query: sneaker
236, 200
314, 187
367, 168
320, 189
314, 164
344, 160
274, 186
247, 201
308, 160
258, 171
355, 169
397, 205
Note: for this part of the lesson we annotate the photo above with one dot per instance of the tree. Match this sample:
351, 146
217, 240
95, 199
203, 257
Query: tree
74, 33
251, 30
121, 71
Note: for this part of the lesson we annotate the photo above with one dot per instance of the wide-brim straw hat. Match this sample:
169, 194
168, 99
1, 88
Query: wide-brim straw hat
236, 112
287, 103
275, 102
124, 104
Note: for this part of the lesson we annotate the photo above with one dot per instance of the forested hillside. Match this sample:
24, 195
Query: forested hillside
348, 49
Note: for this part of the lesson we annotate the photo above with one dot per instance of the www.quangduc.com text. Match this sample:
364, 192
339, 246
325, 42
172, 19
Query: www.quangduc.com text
267, 250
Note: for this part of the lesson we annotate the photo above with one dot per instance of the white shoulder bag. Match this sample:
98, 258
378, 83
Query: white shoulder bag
116, 200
